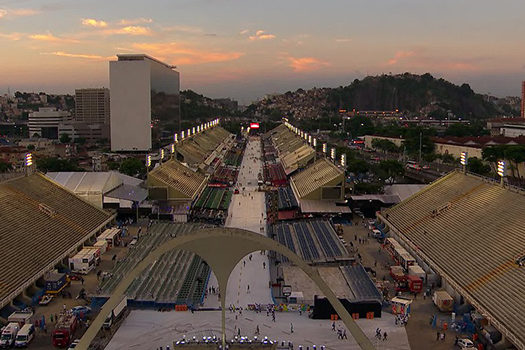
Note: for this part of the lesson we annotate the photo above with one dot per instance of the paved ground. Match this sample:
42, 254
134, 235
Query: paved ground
144, 329
420, 333
249, 281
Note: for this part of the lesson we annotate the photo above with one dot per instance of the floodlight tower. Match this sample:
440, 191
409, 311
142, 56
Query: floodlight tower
464, 161
502, 170
29, 164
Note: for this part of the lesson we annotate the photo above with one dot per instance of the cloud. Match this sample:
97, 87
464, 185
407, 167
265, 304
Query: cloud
399, 55
90, 22
180, 54
130, 30
48, 37
77, 55
244, 32
306, 64
21, 12
11, 36
261, 35
134, 21
420, 59
184, 29
343, 40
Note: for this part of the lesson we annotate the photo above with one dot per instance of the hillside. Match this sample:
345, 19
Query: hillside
415, 95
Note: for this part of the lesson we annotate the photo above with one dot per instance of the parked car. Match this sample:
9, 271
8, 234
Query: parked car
73, 344
465, 343
77, 310
46, 299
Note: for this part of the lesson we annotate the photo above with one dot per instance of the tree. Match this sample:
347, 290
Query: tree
357, 166
384, 145
31, 147
64, 138
448, 158
80, 140
389, 170
516, 154
476, 165
5, 167
55, 164
493, 154
132, 167
113, 165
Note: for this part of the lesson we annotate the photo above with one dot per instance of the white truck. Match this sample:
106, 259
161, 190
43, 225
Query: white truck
115, 313
84, 261
8, 336
21, 317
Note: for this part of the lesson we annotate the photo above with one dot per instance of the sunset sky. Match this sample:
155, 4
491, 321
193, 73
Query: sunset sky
245, 49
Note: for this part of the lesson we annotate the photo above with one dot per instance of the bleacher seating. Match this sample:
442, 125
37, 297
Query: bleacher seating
286, 199
172, 278
33, 238
177, 176
360, 283
472, 231
197, 148
316, 175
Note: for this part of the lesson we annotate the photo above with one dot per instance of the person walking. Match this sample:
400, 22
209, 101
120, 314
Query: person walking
384, 336
291, 327
333, 327
344, 334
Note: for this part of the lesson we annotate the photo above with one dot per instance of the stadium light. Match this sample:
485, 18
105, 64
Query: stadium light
343, 160
502, 168
189, 132
193, 131
198, 128
302, 134
310, 139
464, 158
172, 148
29, 159
315, 142
182, 135
148, 161
305, 136
324, 148
176, 138
161, 153
332, 153
242, 128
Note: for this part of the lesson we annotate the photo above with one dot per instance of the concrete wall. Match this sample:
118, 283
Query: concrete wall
130, 105
455, 150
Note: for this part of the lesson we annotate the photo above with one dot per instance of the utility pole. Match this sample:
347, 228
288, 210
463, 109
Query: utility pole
420, 137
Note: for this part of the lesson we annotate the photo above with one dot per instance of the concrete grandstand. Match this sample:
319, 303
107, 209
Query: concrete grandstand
202, 148
469, 231
42, 224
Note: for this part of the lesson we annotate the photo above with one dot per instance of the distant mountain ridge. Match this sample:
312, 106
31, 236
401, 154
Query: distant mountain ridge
415, 95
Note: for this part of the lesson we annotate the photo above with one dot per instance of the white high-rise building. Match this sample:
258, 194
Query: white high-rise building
45, 122
144, 93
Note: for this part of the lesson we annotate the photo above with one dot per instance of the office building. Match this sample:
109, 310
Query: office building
144, 97
91, 132
92, 105
44, 123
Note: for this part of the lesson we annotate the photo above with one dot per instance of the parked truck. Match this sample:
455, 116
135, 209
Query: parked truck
8, 336
21, 317
64, 330
115, 313
443, 301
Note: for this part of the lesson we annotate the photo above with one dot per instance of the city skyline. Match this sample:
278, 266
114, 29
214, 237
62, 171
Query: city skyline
248, 49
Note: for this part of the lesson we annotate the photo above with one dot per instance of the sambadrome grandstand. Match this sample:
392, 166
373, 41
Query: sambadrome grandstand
469, 231
42, 225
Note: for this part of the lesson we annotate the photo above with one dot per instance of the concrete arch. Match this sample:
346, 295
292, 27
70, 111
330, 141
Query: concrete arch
222, 249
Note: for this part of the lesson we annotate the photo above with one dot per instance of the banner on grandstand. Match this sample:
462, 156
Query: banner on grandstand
287, 290
254, 125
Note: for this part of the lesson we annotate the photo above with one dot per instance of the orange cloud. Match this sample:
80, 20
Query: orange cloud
178, 54
11, 36
400, 55
77, 55
17, 12
306, 64
90, 22
261, 35
131, 30
133, 21
343, 40
48, 37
